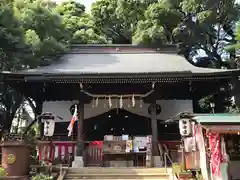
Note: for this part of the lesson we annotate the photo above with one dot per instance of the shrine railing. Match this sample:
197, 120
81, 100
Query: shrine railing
59, 152
62, 152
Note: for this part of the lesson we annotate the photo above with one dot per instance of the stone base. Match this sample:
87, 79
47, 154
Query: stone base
157, 162
78, 162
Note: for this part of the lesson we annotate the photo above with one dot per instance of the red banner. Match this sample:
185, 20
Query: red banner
215, 152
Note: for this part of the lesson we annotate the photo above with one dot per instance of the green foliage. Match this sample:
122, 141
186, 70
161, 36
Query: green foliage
146, 33
36, 32
42, 177
11, 39
70, 8
199, 177
235, 46
78, 24
157, 28
2, 173
233, 109
33, 134
108, 23
177, 169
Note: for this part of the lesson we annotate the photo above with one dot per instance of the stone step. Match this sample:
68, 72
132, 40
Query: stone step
117, 170
117, 173
130, 173
142, 178
117, 178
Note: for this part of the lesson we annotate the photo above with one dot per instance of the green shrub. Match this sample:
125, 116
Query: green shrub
42, 177
2, 172
177, 168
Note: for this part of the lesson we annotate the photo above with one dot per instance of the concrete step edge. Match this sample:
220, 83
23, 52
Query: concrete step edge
117, 171
129, 172
120, 178
117, 175
156, 178
114, 168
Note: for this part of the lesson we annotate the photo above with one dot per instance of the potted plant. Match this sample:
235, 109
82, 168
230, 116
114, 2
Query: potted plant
179, 171
16, 151
2, 173
42, 177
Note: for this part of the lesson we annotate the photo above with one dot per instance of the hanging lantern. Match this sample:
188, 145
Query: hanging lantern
133, 101
49, 124
109, 101
121, 102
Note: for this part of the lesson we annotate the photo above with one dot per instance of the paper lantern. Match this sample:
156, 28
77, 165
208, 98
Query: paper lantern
49, 124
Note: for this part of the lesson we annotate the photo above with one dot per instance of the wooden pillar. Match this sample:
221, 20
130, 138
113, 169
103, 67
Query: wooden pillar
80, 139
154, 132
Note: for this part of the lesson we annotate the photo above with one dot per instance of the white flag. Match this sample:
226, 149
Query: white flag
74, 118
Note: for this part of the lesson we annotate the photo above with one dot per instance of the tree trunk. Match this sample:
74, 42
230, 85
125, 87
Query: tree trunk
10, 114
31, 104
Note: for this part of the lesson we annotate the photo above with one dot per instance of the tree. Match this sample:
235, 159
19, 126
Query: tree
105, 18
197, 25
235, 46
30, 35
156, 28
211, 30
45, 32
11, 39
36, 32
11, 50
79, 24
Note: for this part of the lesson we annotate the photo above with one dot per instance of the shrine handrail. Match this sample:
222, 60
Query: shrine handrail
166, 156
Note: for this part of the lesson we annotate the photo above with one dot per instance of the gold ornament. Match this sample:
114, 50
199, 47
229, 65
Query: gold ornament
11, 158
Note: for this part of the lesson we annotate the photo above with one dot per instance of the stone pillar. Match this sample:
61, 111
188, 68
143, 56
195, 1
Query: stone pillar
156, 158
78, 160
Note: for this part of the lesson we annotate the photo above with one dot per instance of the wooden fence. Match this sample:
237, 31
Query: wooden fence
62, 152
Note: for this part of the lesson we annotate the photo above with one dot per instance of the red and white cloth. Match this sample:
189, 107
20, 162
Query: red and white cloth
73, 120
202, 150
215, 152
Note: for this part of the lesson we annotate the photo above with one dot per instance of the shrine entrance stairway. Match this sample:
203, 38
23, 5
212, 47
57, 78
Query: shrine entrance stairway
118, 173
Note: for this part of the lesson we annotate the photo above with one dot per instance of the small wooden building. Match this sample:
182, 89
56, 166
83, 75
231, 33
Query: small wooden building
100, 78
227, 127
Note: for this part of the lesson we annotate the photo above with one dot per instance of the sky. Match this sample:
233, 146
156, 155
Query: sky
87, 3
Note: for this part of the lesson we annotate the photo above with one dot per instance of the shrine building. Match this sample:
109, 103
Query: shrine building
119, 90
